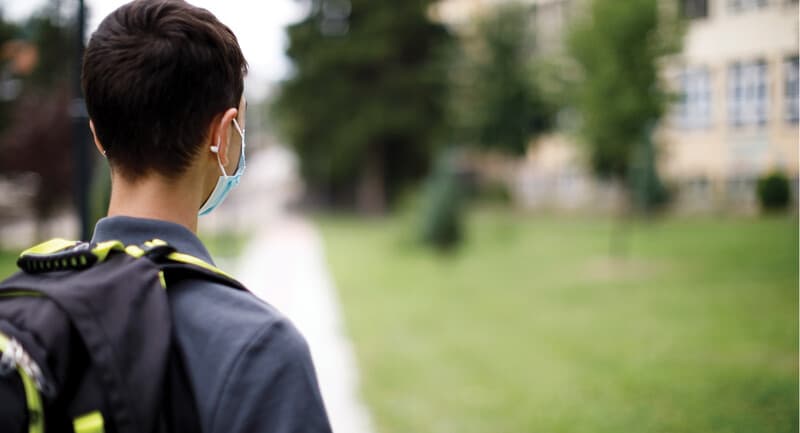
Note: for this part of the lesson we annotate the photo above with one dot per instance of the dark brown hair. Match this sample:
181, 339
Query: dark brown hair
155, 74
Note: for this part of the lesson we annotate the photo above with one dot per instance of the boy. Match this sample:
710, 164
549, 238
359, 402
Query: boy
163, 82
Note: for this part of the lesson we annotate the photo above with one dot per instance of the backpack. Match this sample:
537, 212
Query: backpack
86, 341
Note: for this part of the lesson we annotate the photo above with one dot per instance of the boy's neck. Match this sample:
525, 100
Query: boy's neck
153, 197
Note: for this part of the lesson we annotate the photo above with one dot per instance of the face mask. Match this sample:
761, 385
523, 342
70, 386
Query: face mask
225, 183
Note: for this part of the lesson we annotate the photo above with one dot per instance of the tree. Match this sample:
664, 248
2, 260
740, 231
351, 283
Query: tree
38, 141
367, 100
38, 136
618, 47
500, 103
8, 82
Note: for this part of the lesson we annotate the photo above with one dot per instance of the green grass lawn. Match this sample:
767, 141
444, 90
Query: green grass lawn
8, 263
532, 327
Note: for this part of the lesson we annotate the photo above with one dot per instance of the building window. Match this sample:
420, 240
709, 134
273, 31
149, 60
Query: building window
748, 100
746, 5
791, 89
694, 106
695, 8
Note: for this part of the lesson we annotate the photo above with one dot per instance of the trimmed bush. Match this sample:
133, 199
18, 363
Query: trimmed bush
774, 191
443, 206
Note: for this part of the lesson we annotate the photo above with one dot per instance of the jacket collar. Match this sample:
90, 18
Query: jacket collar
135, 231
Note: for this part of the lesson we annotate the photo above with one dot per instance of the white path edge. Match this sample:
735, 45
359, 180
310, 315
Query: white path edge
284, 264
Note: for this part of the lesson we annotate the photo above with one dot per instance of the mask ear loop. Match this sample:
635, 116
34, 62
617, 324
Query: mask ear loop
215, 150
238, 128
241, 133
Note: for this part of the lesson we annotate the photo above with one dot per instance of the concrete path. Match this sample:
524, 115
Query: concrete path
285, 265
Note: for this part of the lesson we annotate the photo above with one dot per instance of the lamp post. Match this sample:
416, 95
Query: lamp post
80, 131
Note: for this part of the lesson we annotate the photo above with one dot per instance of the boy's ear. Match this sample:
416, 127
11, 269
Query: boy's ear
220, 135
97, 143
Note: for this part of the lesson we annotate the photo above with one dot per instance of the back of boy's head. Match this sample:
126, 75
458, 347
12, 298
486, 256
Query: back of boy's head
155, 74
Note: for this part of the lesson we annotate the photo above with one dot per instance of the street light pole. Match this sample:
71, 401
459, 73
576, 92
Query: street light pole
80, 131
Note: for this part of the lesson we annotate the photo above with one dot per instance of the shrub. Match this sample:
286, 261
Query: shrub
443, 206
773, 191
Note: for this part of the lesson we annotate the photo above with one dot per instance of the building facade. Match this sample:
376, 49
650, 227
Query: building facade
736, 117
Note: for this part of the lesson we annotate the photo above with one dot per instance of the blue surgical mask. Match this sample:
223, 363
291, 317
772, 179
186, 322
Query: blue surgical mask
225, 183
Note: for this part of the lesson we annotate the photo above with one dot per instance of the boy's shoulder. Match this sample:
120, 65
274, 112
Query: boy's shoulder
224, 317
234, 345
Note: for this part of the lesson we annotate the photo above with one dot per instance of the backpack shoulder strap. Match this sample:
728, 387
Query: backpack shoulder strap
177, 265
56, 254
50, 247
63, 255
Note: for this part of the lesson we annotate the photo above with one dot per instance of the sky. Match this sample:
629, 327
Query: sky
259, 26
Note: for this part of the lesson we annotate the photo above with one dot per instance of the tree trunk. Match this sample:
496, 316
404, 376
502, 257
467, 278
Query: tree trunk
619, 242
371, 190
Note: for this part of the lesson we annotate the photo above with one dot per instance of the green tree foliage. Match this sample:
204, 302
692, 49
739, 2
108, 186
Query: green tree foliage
7, 32
618, 46
38, 136
54, 39
366, 102
500, 104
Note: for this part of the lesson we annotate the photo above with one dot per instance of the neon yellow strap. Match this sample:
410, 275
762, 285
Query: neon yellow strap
90, 423
192, 260
34, 401
162, 279
134, 250
103, 248
183, 258
13, 293
155, 243
49, 247
32, 397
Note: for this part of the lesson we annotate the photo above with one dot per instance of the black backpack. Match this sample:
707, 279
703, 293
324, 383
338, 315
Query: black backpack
86, 342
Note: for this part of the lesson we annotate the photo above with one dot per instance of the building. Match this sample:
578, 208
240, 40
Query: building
736, 118
551, 17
